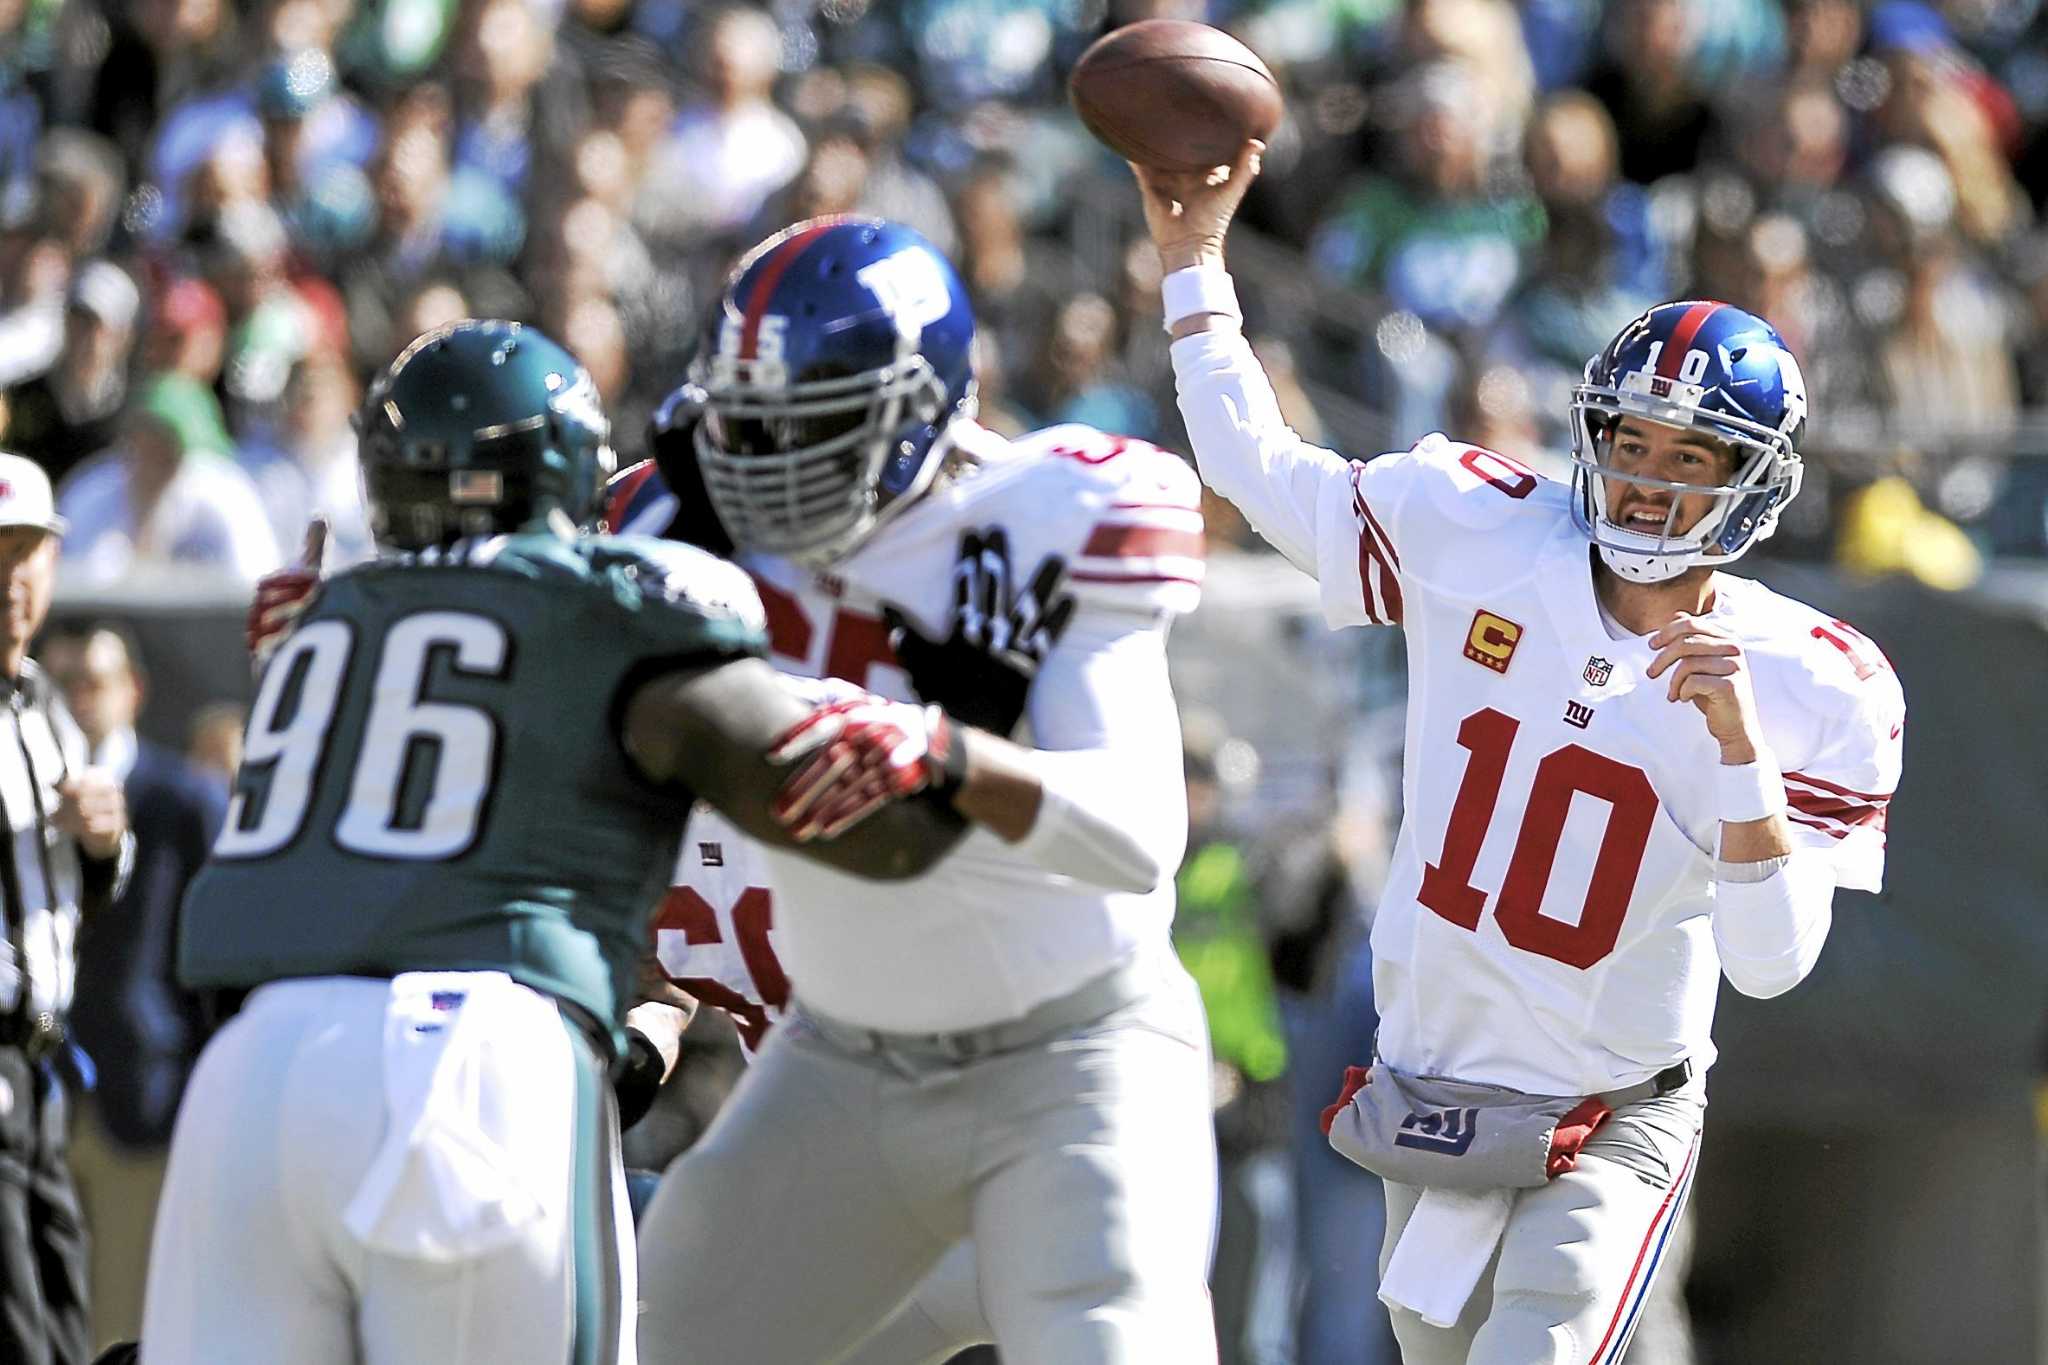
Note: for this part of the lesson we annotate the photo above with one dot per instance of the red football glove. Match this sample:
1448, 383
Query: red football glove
864, 753
282, 594
1356, 1078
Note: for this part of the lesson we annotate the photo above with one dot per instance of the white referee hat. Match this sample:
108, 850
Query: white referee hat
25, 498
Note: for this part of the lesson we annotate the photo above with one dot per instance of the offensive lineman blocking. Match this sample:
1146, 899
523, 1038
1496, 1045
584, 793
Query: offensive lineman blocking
998, 1050
715, 931
1580, 857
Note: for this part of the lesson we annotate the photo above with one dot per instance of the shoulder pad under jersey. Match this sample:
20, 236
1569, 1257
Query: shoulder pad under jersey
1125, 514
684, 574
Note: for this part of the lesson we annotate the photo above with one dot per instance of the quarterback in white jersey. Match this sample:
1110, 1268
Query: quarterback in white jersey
1007, 1051
1552, 779
1627, 774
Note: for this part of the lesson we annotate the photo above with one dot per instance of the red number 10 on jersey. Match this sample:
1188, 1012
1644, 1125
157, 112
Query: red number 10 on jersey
1489, 735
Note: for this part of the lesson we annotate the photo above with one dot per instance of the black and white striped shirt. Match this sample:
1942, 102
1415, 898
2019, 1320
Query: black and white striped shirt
45, 877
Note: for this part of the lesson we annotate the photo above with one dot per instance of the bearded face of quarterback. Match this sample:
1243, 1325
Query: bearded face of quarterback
1691, 395
1648, 463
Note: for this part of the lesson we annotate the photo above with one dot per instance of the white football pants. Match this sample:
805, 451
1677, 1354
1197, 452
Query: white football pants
394, 1172
1082, 1166
942, 1317
1568, 1281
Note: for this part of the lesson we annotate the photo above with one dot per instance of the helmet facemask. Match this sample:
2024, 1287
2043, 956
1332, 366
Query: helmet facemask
1741, 512
810, 468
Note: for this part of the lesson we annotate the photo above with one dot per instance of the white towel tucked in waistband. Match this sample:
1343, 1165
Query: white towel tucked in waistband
479, 1091
1444, 1250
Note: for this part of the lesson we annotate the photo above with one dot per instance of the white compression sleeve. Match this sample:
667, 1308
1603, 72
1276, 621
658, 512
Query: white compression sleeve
1245, 449
1770, 933
1114, 810
1076, 836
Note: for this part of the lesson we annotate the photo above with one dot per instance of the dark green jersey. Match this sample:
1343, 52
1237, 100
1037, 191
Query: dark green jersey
433, 777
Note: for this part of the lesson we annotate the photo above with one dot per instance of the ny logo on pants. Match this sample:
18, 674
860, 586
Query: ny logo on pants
1448, 1131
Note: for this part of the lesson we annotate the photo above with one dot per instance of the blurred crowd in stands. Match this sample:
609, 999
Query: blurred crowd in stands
218, 216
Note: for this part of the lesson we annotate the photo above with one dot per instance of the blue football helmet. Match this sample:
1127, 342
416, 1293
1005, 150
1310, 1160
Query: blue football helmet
836, 359
1712, 368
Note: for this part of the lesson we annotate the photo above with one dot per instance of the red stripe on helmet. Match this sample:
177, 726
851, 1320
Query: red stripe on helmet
1681, 337
772, 270
620, 492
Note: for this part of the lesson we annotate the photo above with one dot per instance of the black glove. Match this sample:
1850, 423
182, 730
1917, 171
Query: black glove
637, 1078
981, 673
672, 443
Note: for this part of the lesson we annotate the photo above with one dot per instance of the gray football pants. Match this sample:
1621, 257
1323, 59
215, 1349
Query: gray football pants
942, 1317
1568, 1281
1081, 1164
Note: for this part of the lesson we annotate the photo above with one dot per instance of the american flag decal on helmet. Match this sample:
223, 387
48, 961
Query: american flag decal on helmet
473, 486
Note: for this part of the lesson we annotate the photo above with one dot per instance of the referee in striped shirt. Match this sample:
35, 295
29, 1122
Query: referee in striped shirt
68, 852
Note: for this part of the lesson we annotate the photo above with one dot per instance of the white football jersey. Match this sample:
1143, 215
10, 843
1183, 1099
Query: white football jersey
988, 934
715, 932
1546, 921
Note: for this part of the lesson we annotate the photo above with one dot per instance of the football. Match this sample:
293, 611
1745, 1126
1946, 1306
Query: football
1174, 95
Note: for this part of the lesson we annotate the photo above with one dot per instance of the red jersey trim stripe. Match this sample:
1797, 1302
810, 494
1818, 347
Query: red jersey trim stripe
1828, 830
1849, 812
1083, 576
1873, 819
1121, 540
1878, 798
1386, 540
772, 271
1382, 604
1688, 327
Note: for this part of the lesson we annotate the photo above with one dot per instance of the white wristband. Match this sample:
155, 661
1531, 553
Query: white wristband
1196, 290
1749, 791
1750, 874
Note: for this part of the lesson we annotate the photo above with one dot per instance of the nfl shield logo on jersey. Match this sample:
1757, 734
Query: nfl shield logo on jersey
1598, 671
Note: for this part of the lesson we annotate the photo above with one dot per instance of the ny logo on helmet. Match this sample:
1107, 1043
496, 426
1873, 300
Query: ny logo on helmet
1793, 382
911, 286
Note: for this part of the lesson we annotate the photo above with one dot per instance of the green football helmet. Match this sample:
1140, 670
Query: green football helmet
479, 428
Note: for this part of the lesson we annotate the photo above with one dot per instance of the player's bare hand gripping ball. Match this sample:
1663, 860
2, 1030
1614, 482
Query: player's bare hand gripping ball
1188, 212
